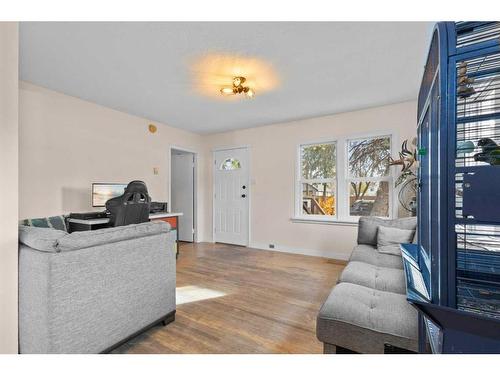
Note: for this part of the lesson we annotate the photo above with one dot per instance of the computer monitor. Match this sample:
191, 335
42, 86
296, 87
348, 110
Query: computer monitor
101, 193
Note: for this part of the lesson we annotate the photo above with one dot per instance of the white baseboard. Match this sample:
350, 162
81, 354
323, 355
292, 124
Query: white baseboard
331, 254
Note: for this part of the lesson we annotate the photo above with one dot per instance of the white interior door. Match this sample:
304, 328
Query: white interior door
231, 196
182, 194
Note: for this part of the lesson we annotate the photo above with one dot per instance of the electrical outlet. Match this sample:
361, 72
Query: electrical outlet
271, 246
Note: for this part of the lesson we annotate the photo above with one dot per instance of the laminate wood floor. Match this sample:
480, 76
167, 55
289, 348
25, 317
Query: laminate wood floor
252, 301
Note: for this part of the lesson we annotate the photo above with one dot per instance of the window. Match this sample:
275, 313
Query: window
230, 164
344, 179
368, 176
318, 166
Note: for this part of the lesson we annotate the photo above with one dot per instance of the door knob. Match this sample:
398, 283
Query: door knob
243, 195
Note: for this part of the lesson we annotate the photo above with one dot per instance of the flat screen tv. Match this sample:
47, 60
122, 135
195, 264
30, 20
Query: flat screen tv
101, 192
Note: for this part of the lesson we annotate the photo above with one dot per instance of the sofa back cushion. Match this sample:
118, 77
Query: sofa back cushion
43, 239
368, 227
85, 239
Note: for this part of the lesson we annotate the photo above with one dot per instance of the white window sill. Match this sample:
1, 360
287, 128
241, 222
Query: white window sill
315, 220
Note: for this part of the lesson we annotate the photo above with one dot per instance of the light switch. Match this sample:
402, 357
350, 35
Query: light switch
156, 170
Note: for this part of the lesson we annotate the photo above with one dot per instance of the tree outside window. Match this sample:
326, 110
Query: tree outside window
369, 176
318, 179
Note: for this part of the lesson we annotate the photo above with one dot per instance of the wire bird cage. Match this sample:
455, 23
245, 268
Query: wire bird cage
478, 105
458, 252
477, 146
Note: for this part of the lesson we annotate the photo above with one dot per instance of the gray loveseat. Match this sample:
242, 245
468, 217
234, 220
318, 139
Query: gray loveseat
367, 311
87, 292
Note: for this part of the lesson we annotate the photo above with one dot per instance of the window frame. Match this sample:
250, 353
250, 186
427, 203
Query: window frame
348, 179
229, 169
300, 180
342, 179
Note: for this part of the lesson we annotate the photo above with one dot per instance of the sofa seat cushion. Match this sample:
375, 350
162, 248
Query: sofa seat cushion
369, 254
364, 319
379, 278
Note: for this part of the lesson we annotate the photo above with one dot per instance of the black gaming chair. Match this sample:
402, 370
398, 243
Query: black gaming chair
130, 208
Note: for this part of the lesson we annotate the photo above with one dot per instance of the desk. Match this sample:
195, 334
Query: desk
92, 224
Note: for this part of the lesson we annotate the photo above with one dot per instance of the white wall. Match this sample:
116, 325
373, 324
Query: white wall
8, 187
66, 143
273, 151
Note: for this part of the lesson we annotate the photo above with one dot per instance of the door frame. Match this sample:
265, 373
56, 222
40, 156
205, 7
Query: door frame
195, 184
249, 194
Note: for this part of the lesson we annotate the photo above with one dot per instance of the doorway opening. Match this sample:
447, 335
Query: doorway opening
183, 164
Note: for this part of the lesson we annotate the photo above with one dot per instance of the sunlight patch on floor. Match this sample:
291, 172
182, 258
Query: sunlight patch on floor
193, 293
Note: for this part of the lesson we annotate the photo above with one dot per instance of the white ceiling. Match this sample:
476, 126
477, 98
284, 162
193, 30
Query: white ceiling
146, 68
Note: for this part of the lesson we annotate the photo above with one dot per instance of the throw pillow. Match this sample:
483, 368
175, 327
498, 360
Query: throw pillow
389, 238
55, 222
367, 227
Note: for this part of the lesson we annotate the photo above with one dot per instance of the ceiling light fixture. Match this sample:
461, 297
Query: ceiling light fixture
238, 88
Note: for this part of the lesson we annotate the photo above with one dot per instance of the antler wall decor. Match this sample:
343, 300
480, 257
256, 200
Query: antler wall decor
407, 180
406, 157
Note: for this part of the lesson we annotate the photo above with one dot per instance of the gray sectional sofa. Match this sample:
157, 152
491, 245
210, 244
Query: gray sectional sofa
87, 292
367, 311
